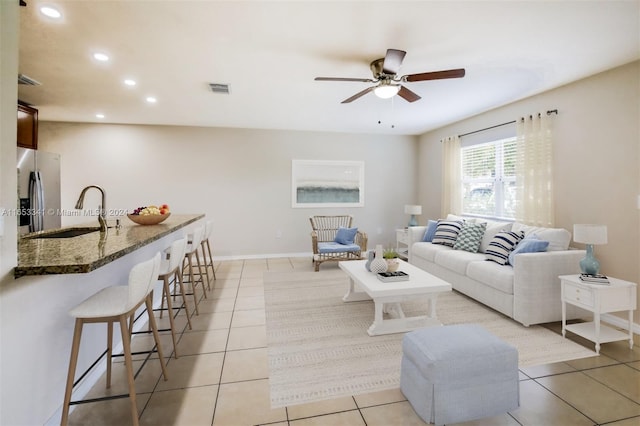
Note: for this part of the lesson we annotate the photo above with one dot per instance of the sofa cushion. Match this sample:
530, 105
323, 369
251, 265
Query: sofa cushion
530, 244
457, 260
493, 275
559, 238
447, 232
427, 251
470, 237
501, 245
345, 235
492, 229
430, 231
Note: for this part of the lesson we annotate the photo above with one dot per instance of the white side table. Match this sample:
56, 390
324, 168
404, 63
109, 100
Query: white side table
617, 296
403, 241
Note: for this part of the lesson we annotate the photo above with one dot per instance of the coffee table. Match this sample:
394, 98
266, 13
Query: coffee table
387, 296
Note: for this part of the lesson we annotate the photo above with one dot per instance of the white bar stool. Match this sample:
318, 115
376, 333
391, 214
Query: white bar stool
191, 252
170, 269
111, 305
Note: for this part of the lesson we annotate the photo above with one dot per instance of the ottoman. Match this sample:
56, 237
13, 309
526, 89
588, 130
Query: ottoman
457, 373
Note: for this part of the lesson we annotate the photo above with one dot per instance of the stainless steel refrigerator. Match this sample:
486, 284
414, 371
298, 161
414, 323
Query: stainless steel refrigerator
38, 190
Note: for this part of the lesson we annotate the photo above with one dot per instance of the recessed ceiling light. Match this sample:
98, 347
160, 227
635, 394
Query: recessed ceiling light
51, 12
130, 82
151, 99
102, 57
99, 115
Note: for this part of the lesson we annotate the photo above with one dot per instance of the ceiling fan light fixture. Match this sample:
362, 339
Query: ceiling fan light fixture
386, 91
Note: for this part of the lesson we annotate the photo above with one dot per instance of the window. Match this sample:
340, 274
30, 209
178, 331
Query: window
488, 179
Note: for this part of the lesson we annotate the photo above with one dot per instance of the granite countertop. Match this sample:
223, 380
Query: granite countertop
84, 253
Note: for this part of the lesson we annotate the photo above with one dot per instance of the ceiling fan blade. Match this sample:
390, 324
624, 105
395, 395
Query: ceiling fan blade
408, 95
357, 95
436, 75
393, 61
363, 80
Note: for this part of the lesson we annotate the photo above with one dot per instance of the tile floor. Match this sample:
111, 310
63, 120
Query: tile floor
221, 375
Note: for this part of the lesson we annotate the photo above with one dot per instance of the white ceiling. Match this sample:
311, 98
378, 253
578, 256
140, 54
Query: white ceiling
270, 51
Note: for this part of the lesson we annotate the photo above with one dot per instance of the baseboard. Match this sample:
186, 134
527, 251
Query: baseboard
620, 322
262, 256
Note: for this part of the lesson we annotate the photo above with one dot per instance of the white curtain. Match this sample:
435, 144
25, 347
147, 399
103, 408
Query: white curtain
451, 176
534, 171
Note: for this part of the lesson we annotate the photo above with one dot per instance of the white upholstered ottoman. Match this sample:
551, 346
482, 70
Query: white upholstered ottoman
458, 373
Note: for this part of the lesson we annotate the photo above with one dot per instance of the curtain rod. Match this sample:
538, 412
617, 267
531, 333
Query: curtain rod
552, 111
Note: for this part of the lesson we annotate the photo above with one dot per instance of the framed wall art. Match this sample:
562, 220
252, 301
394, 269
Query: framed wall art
318, 183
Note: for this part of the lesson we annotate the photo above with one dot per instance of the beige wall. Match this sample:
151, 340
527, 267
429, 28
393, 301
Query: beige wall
597, 160
240, 178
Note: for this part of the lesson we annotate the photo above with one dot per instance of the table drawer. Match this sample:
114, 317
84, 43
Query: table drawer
580, 295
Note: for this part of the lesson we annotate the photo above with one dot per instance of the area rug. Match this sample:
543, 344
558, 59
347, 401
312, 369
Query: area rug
319, 349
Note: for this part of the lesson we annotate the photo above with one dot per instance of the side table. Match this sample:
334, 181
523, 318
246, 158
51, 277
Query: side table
616, 296
403, 241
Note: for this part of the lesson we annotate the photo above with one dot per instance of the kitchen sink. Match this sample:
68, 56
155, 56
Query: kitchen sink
62, 233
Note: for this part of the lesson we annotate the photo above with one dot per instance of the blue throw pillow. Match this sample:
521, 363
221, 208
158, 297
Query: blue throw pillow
346, 235
432, 225
528, 245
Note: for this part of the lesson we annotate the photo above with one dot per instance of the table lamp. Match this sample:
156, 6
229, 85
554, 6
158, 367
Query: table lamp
590, 235
413, 211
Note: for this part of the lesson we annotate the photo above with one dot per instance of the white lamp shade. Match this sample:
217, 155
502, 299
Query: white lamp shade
590, 234
386, 91
410, 209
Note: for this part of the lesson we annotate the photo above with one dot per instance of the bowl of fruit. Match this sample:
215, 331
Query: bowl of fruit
150, 215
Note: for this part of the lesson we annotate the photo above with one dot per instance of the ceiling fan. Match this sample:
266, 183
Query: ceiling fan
385, 72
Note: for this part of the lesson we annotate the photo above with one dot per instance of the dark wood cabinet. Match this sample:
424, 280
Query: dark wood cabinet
27, 126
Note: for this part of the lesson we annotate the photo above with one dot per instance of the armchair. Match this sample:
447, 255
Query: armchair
328, 248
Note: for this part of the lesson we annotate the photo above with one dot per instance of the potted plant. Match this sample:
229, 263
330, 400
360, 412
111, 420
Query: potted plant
391, 256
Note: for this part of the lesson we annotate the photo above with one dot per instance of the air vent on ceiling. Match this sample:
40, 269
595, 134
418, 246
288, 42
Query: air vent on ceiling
219, 88
23, 79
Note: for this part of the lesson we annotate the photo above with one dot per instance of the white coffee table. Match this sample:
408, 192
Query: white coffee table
387, 296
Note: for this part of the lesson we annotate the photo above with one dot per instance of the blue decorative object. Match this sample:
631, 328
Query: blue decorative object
369, 260
413, 211
589, 264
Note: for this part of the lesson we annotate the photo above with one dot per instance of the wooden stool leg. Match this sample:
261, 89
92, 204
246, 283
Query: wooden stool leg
126, 344
178, 277
204, 290
165, 289
193, 284
156, 336
109, 351
213, 269
73, 362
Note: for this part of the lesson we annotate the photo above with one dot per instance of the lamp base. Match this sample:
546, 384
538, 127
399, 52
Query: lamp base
413, 221
589, 264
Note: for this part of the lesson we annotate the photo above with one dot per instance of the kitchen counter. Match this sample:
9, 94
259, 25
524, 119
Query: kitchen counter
85, 253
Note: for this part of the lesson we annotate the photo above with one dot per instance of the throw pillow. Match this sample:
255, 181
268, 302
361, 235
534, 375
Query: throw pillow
470, 237
447, 232
345, 235
430, 232
502, 244
529, 245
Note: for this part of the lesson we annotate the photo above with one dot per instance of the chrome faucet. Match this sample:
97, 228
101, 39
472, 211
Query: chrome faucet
102, 215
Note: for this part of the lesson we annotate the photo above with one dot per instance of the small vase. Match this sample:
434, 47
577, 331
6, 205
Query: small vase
378, 264
392, 265
370, 257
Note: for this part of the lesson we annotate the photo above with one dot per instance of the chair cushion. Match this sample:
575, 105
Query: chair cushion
333, 247
345, 235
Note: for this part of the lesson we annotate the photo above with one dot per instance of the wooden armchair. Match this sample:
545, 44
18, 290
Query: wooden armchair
324, 244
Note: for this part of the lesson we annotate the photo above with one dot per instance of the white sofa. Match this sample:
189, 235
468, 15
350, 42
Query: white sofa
527, 291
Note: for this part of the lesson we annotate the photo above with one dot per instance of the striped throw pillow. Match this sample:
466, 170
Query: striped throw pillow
470, 237
502, 245
447, 232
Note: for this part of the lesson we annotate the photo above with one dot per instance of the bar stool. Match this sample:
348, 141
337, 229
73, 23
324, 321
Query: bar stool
170, 269
191, 252
115, 305
206, 249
